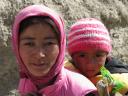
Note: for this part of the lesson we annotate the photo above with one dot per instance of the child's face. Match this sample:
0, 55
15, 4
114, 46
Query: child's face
38, 48
89, 61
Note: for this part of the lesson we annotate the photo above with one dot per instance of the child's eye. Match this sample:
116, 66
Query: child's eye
100, 55
82, 55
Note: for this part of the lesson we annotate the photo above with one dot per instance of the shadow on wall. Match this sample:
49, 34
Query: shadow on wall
8, 71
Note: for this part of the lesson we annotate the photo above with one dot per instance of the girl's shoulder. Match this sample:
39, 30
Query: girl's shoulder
77, 81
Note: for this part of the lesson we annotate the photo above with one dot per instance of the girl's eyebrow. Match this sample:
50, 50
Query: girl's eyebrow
50, 38
27, 38
32, 38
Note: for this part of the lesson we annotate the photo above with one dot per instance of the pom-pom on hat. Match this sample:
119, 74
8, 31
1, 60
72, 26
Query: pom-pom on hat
88, 33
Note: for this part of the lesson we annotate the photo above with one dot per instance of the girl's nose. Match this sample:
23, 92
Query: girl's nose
41, 53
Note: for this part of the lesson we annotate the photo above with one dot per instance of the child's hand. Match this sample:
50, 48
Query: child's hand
103, 88
112, 85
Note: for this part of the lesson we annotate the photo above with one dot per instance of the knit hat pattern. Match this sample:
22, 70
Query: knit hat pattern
88, 33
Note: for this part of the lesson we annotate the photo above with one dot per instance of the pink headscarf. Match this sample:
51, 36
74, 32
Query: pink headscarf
39, 10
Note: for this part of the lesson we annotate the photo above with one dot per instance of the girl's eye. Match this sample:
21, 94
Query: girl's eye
29, 44
50, 43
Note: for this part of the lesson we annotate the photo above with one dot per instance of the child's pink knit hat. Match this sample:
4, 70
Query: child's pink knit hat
88, 33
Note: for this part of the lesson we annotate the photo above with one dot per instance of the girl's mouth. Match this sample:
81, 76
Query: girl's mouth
39, 65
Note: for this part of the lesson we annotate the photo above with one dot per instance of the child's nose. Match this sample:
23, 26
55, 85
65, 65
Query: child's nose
91, 61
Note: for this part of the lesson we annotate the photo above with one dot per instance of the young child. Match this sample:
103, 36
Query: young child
89, 45
39, 41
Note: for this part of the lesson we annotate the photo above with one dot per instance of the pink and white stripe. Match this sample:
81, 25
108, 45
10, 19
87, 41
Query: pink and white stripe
90, 32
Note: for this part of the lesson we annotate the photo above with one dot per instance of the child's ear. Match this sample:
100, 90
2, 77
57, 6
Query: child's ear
67, 55
108, 54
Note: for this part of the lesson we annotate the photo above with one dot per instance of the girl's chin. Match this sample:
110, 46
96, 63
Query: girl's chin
38, 74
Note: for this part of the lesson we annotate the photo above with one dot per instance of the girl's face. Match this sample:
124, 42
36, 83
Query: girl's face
38, 48
89, 62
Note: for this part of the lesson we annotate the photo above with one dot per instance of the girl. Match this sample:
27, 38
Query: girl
39, 41
89, 46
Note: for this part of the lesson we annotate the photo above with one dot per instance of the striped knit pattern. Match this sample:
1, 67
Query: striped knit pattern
88, 33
